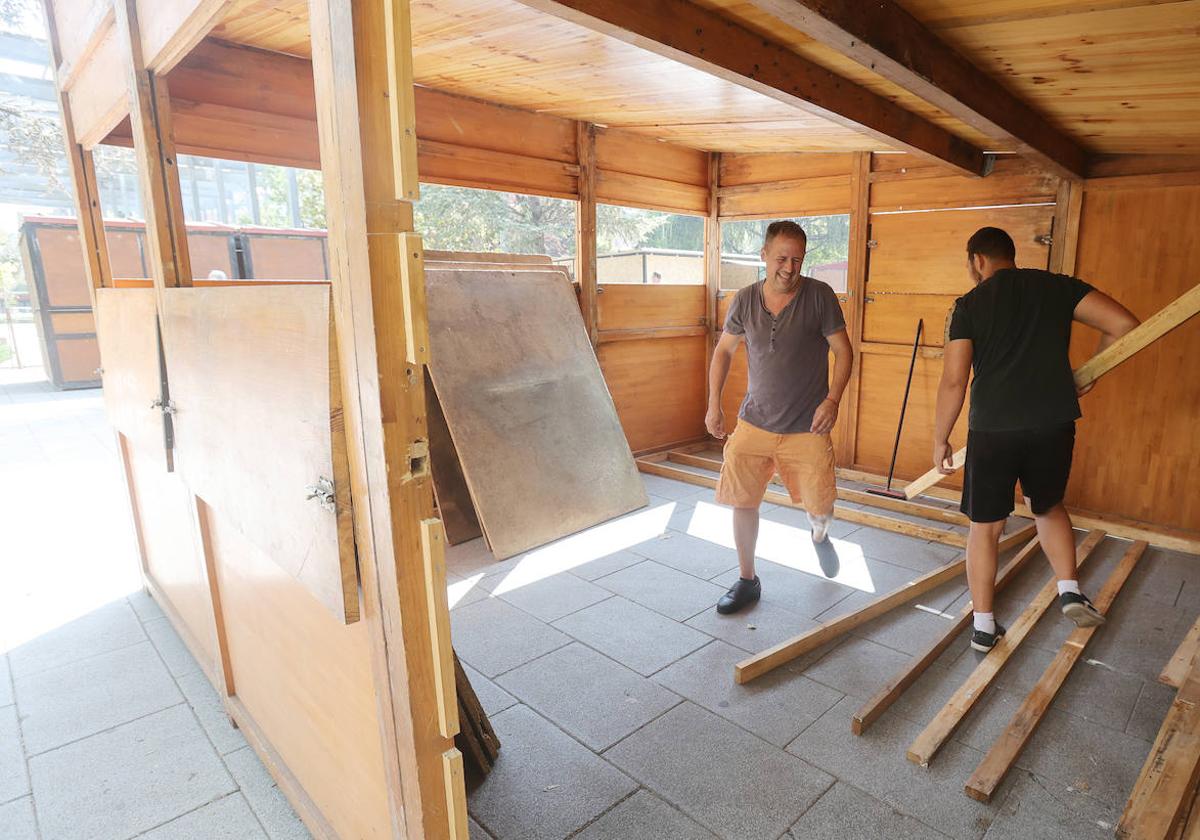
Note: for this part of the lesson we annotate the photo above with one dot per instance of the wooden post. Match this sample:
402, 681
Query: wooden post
585, 227
358, 48
845, 434
712, 263
1067, 208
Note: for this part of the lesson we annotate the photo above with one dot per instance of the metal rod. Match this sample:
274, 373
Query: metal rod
904, 405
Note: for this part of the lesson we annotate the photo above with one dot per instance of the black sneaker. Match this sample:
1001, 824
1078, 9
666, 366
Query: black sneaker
1080, 610
739, 595
984, 642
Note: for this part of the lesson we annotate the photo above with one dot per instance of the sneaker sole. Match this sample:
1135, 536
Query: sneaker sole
1082, 616
982, 648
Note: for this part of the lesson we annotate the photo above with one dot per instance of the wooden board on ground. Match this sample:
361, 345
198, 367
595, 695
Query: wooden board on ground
258, 425
449, 486
1175, 669
528, 410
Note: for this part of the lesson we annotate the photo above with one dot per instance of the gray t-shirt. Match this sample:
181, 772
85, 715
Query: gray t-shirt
788, 355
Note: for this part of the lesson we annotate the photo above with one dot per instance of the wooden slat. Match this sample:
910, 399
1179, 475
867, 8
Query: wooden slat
634, 154
1175, 670
650, 193
433, 550
739, 169
80, 25
585, 228
939, 730
803, 197
170, 28
454, 504
460, 121
845, 432
627, 306
609, 336
456, 805
906, 184
882, 700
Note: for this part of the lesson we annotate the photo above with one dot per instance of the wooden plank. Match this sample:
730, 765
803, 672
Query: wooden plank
397, 23
1067, 208
896, 45
1174, 672
449, 485
708, 41
905, 184
1008, 746
460, 121
634, 154
1160, 795
609, 336
433, 549
739, 169
804, 197
456, 805
585, 229
845, 432
712, 265
445, 163
522, 389
227, 685
630, 190
99, 95
628, 306
892, 318
882, 700
171, 28
939, 730
126, 327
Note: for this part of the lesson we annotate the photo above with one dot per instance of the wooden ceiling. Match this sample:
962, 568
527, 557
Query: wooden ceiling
1119, 76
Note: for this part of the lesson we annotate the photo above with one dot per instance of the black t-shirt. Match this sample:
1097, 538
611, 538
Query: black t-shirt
1019, 321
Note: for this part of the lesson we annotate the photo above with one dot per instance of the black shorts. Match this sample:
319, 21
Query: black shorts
1039, 458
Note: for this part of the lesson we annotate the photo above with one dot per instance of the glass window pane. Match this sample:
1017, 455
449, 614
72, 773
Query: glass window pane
826, 258
648, 246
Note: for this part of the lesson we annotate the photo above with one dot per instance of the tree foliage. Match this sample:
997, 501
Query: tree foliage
828, 238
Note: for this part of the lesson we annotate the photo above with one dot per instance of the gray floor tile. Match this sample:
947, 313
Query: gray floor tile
553, 597
846, 812
14, 781
665, 590
83, 698
475, 831
636, 637
6, 695
776, 707
17, 821
265, 798
1141, 635
721, 776
1091, 692
1160, 576
588, 695
544, 784
797, 592
884, 578
109, 628
857, 667
686, 553
492, 697
206, 703
665, 488
1039, 808
754, 628
226, 819
172, 649
127, 780
607, 564
1150, 710
906, 629
643, 816
145, 606
902, 550
494, 637
467, 558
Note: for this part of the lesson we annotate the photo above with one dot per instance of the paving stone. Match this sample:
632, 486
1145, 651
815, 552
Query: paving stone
1150, 710
1091, 692
776, 707
689, 554
265, 798
145, 606
82, 698
544, 784
466, 559
1039, 808
857, 666
754, 628
1141, 635
206, 703
795, 591
925, 698
906, 629
901, 550
553, 597
665, 590
607, 564
720, 775
226, 819
108, 628
633, 635
129, 779
588, 695
492, 697
475, 831
666, 488
875, 763
881, 578
643, 816
14, 781
6, 695
17, 821
846, 812
495, 637
172, 649
1160, 576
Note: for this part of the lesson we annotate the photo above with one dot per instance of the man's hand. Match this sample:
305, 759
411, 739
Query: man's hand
714, 421
943, 458
824, 417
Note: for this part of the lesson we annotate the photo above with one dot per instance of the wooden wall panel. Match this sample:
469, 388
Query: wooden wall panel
810, 197
1136, 454
627, 306
893, 318
650, 193
287, 258
620, 151
657, 385
444, 118
306, 680
902, 182
126, 322
740, 169
99, 98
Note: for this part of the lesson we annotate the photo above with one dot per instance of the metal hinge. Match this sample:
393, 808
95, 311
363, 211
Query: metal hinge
167, 407
872, 243
323, 492
1044, 239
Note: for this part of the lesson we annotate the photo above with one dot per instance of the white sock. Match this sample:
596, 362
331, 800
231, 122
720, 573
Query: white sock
985, 622
1065, 586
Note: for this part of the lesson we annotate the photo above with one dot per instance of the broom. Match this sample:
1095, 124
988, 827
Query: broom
887, 490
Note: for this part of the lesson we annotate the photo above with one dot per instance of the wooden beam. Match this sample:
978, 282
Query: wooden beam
171, 28
702, 39
886, 38
1004, 752
383, 395
1174, 672
585, 228
712, 264
845, 432
939, 730
870, 711
1149, 331
1067, 209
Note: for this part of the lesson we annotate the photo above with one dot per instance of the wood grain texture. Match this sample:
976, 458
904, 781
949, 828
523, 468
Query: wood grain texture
1174, 672
454, 504
654, 411
627, 306
126, 323
524, 397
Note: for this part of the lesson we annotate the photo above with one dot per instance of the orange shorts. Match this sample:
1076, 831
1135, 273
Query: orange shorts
803, 460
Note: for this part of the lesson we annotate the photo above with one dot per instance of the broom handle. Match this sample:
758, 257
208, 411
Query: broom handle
904, 405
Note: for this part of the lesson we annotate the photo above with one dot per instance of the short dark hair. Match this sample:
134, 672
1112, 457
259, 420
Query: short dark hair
784, 227
991, 242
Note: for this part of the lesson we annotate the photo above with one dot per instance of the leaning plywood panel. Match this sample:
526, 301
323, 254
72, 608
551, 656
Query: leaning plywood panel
531, 417
257, 423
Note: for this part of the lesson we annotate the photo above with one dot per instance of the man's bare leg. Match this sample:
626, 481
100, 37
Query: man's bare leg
982, 551
1058, 541
745, 537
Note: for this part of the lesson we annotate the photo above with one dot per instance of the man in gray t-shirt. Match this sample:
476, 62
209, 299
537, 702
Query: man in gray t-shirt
789, 323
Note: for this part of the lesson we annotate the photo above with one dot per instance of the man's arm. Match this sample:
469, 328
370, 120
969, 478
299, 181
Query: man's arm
1102, 313
718, 372
952, 391
843, 361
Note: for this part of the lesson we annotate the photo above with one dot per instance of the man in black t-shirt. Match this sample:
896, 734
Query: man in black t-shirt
1014, 330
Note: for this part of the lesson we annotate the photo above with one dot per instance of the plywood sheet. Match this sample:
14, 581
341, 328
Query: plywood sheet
250, 378
127, 328
540, 442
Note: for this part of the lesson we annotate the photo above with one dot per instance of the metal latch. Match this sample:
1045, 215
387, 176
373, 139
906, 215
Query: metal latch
872, 243
1044, 239
323, 492
167, 407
